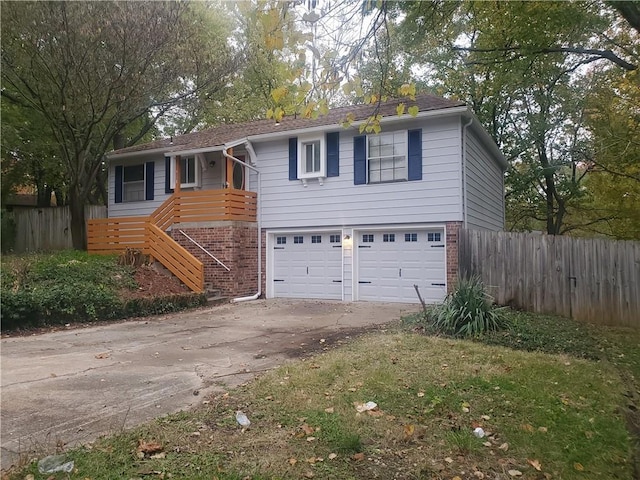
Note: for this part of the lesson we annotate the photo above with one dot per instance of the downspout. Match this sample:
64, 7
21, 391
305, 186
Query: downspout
464, 170
226, 154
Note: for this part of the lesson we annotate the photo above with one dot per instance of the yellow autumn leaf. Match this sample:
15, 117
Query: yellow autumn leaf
400, 109
578, 467
279, 93
270, 113
535, 464
527, 427
409, 430
413, 111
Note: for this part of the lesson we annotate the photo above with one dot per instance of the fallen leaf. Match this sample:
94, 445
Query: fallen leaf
487, 444
292, 461
148, 447
504, 447
578, 467
542, 429
29, 477
409, 430
159, 455
358, 457
375, 413
527, 428
329, 410
310, 439
102, 355
448, 460
478, 474
309, 474
332, 456
485, 417
588, 434
307, 429
456, 478
515, 473
420, 394
535, 464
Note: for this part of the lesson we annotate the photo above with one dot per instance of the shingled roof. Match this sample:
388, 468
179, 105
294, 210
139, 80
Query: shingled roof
223, 134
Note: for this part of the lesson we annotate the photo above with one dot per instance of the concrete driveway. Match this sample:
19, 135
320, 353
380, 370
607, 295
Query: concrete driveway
73, 385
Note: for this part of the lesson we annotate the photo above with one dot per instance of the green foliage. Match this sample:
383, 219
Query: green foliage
72, 286
468, 311
544, 333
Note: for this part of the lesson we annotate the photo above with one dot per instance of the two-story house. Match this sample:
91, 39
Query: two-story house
305, 208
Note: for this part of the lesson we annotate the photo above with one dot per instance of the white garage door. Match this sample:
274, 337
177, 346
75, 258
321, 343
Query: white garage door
308, 265
391, 263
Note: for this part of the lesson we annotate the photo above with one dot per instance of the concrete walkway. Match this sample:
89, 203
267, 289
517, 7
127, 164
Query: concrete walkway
71, 386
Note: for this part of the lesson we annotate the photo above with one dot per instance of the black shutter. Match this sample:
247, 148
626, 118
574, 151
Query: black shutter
415, 154
149, 180
118, 184
360, 160
167, 175
333, 154
293, 158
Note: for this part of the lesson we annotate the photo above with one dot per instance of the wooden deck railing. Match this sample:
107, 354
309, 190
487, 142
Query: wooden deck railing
115, 235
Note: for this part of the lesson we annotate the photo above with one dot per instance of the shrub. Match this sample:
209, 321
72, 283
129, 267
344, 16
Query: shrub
468, 311
71, 286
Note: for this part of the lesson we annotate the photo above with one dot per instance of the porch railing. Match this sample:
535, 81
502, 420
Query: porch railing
115, 235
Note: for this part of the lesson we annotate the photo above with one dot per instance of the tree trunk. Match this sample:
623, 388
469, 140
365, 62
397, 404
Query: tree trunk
78, 224
43, 196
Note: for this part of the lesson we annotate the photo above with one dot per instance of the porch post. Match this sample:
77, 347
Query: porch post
176, 187
229, 169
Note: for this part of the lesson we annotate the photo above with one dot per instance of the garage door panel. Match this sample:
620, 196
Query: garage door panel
388, 271
308, 268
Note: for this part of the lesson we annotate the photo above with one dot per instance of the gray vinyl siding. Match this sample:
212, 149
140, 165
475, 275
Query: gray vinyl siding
142, 208
211, 179
436, 198
485, 191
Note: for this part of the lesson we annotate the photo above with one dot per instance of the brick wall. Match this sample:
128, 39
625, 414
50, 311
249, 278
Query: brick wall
234, 244
453, 230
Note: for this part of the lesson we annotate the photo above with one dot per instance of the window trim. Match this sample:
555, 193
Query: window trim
302, 142
404, 134
197, 170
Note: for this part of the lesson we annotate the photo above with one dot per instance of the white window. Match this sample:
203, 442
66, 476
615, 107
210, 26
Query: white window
190, 171
133, 183
387, 157
311, 157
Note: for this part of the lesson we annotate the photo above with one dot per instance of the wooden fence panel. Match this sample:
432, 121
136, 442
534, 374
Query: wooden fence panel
591, 280
44, 229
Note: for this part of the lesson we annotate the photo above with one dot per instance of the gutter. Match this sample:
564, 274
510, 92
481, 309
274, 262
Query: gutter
252, 156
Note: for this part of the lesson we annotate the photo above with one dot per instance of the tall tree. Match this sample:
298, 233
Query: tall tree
93, 69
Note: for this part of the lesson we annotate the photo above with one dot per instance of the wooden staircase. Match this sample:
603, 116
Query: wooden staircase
149, 234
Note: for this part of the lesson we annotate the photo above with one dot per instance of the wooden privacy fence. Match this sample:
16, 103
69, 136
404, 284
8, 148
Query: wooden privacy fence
591, 280
48, 228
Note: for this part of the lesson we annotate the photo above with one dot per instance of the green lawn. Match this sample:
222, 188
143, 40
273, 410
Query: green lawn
546, 415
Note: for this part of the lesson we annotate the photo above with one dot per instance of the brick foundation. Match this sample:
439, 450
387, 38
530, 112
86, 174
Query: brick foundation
453, 230
234, 244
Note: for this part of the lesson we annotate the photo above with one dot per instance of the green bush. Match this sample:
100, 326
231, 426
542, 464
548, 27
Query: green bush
468, 311
71, 286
